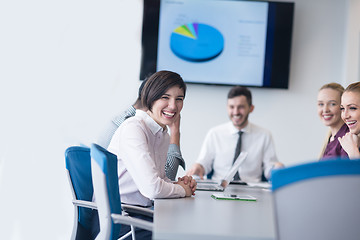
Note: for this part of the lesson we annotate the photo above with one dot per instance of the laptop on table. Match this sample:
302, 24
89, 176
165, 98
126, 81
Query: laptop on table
219, 186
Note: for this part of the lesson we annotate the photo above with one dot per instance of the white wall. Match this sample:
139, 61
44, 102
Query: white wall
352, 45
67, 67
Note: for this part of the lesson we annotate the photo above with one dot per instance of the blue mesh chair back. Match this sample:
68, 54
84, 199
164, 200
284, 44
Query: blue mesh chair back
107, 193
78, 164
318, 200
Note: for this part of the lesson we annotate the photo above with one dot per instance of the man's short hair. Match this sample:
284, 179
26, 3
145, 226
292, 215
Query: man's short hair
237, 91
157, 85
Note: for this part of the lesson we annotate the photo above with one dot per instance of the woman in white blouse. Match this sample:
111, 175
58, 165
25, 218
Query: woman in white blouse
141, 144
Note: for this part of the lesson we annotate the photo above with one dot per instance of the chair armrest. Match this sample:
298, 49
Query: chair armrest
137, 210
82, 203
143, 224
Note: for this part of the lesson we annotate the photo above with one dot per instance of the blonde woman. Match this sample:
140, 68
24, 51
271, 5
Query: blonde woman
350, 113
328, 101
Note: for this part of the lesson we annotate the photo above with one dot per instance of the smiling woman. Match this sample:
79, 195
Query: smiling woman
328, 105
350, 113
163, 96
141, 144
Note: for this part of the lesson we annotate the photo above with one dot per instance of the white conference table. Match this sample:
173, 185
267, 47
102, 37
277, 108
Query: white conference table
202, 217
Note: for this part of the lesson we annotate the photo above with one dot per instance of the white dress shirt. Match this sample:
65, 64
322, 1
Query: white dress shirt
141, 146
218, 151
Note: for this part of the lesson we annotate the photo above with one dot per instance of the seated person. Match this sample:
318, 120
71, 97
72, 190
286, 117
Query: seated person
350, 113
141, 145
217, 152
329, 99
174, 157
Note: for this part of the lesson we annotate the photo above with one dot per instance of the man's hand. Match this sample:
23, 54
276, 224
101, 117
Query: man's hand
196, 169
278, 165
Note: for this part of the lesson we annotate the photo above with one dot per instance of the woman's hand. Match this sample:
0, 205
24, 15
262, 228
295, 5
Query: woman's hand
175, 131
189, 184
186, 188
350, 143
190, 181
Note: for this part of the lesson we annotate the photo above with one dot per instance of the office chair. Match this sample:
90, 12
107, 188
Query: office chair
106, 189
78, 167
319, 200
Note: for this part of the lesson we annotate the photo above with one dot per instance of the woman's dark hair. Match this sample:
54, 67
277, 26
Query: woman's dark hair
157, 85
240, 91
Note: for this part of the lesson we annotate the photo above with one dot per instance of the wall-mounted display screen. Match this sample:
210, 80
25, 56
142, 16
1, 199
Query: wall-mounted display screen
221, 42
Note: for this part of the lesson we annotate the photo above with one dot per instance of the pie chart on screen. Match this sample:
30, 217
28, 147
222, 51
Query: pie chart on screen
196, 42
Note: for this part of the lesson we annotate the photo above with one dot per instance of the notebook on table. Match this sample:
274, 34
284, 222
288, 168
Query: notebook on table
210, 185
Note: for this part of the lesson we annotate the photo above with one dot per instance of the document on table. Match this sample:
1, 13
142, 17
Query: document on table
228, 196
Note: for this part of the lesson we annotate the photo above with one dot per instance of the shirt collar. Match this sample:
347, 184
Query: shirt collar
234, 130
152, 125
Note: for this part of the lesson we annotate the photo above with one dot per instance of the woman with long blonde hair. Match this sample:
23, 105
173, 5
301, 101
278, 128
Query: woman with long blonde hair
328, 102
